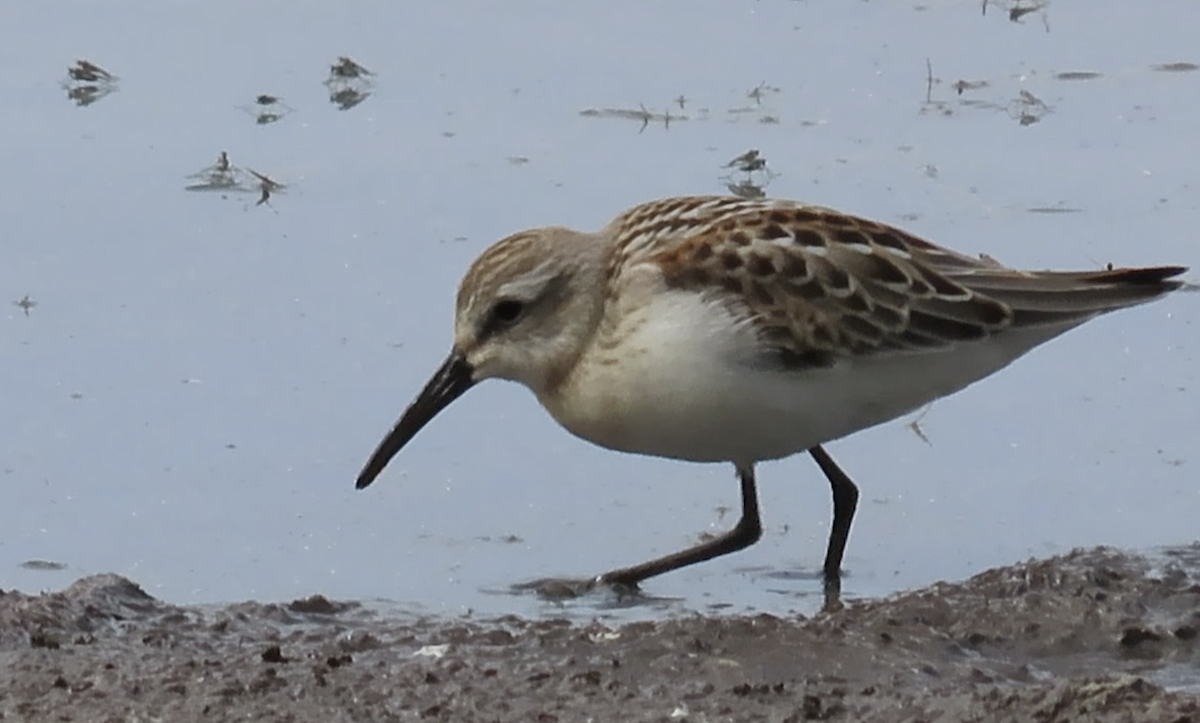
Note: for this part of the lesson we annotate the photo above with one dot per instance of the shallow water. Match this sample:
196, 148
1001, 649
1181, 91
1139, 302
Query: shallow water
1092, 635
201, 378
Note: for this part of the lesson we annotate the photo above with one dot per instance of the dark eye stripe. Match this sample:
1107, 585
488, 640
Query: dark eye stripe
507, 310
503, 314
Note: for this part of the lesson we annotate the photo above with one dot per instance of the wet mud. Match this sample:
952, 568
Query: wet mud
1094, 635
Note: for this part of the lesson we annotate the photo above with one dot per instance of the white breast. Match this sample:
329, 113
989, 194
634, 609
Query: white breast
682, 382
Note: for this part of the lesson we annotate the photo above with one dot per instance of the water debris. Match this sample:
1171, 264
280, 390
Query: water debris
224, 176
265, 185
746, 189
641, 114
89, 72
347, 68
504, 539
1018, 10
349, 83
915, 425
928, 81
667, 118
1175, 67
88, 83
347, 98
25, 303
757, 92
1028, 108
85, 95
43, 565
748, 162
267, 109
962, 86
1060, 208
221, 176
758, 176
931, 105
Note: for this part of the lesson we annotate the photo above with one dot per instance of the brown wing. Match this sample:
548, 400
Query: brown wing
820, 284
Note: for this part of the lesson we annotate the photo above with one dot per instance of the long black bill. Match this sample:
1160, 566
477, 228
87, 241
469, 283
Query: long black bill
448, 383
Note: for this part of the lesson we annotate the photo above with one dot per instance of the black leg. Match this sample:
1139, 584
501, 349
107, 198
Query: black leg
845, 500
744, 534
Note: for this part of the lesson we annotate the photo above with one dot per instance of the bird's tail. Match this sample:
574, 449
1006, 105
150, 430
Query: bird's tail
1063, 297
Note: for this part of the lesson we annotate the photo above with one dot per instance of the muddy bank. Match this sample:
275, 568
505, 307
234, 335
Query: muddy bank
1096, 635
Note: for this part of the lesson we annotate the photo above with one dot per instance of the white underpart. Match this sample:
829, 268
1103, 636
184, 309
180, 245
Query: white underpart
690, 382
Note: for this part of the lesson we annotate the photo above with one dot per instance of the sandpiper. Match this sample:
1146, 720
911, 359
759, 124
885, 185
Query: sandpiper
724, 329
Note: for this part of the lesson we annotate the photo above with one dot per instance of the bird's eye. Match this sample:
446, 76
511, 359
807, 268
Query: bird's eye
507, 311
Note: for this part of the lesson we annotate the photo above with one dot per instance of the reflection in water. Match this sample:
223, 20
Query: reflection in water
85, 95
220, 176
641, 114
43, 565
224, 176
25, 304
347, 98
961, 86
746, 189
266, 185
90, 72
748, 162
267, 109
1028, 108
1018, 9
1175, 67
757, 178
349, 83
758, 92
88, 83
347, 68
